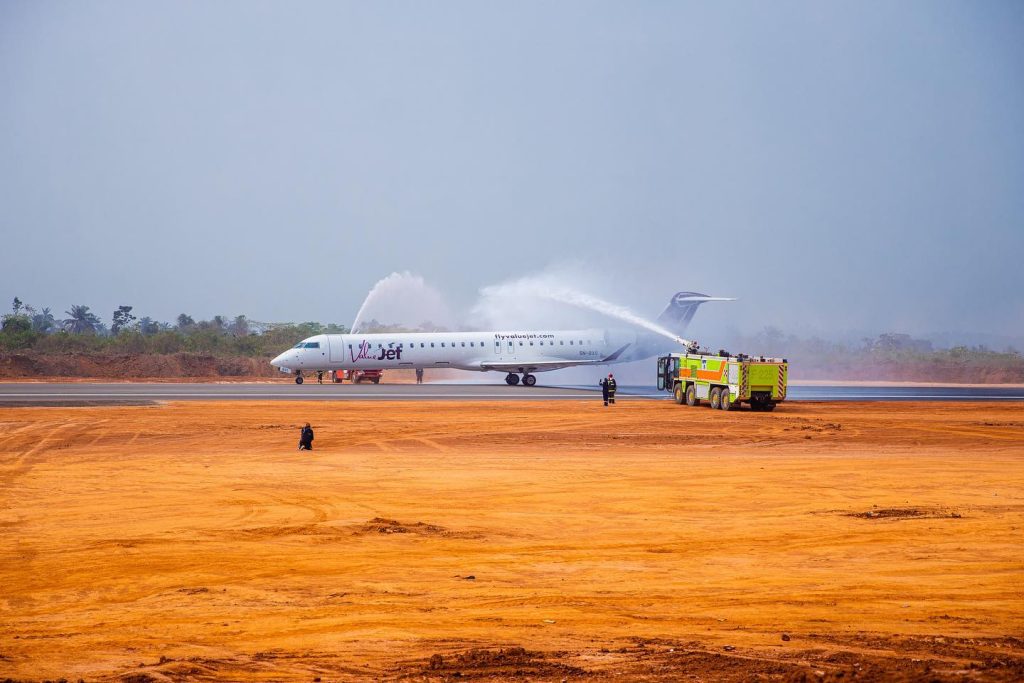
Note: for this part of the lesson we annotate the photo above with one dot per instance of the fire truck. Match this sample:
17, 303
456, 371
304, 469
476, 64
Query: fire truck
357, 376
723, 380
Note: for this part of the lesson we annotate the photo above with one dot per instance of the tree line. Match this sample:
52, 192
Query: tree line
894, 355
27, 327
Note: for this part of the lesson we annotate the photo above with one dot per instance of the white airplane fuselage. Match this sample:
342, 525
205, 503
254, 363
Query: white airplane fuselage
523, 352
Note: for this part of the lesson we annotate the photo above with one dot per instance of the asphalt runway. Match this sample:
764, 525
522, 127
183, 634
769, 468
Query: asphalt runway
65, 394
83, 393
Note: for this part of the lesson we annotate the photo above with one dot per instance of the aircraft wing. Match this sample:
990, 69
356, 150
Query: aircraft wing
545, 365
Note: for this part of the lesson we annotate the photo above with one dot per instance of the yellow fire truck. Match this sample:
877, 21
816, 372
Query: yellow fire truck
724, 380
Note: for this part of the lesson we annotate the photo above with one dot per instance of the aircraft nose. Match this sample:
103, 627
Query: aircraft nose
279, 361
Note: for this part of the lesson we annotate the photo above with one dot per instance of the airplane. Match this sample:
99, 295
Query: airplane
512, 352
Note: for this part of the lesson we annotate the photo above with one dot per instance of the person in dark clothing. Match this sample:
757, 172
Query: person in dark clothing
306, 438
419, 375
319, 376
608, 390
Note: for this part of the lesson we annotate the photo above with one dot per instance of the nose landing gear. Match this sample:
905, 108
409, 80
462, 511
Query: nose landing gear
298, 378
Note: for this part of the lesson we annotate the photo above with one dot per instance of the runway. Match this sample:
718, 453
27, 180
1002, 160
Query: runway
64, 394
85, 393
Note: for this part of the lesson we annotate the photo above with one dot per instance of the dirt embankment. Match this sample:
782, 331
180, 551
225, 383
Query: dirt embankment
32, 365
131, 366
942, 372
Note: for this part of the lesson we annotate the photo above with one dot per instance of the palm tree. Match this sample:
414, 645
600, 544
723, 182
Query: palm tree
44, 321
81, 321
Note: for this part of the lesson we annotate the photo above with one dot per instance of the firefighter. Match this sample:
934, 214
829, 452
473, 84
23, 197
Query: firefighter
319, 376
608, 389
306, 438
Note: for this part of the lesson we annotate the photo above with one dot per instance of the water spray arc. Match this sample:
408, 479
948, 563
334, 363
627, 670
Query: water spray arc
572, 297
405, 299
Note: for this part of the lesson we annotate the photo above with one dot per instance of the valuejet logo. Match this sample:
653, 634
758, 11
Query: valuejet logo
524, 336
365, 353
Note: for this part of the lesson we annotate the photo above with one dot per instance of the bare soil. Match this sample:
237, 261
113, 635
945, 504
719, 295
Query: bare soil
522, 541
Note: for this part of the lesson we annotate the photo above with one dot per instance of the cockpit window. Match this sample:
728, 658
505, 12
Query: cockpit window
299, 345
312, 345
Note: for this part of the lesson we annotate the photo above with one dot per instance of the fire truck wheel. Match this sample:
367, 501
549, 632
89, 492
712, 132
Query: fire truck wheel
298, 379
768, 407
529, 380
376, 380
691, 396
680, 394
716, 397
724, 403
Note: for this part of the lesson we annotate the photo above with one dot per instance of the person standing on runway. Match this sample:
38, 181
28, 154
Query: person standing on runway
608, 390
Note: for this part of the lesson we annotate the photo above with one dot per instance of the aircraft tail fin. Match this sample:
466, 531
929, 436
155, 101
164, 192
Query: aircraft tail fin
680, 310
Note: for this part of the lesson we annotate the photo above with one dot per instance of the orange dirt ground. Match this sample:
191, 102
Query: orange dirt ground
552, 540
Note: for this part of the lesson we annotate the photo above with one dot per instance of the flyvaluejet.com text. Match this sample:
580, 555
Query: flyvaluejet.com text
524, 336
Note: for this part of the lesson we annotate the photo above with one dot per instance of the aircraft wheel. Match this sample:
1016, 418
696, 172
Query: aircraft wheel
716, 398
691, 396
511, 379
725, 403
298, 379
679, 394
529, 380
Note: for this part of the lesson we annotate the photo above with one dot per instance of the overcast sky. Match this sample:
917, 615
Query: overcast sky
836, 166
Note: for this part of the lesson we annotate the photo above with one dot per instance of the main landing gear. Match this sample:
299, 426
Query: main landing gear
512, 379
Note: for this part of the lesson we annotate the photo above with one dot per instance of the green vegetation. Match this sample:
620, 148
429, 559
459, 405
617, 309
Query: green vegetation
83, 332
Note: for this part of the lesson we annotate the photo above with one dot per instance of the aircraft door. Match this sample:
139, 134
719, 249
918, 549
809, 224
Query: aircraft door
507, 348
337, 344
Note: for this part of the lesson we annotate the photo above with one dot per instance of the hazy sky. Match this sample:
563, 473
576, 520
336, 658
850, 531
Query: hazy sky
834, 165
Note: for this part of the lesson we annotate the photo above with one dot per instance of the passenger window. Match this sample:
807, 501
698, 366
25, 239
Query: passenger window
422, 345
431, 344
442, 345
520, 343
531, 343
561, 342
570, 342
463, 344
